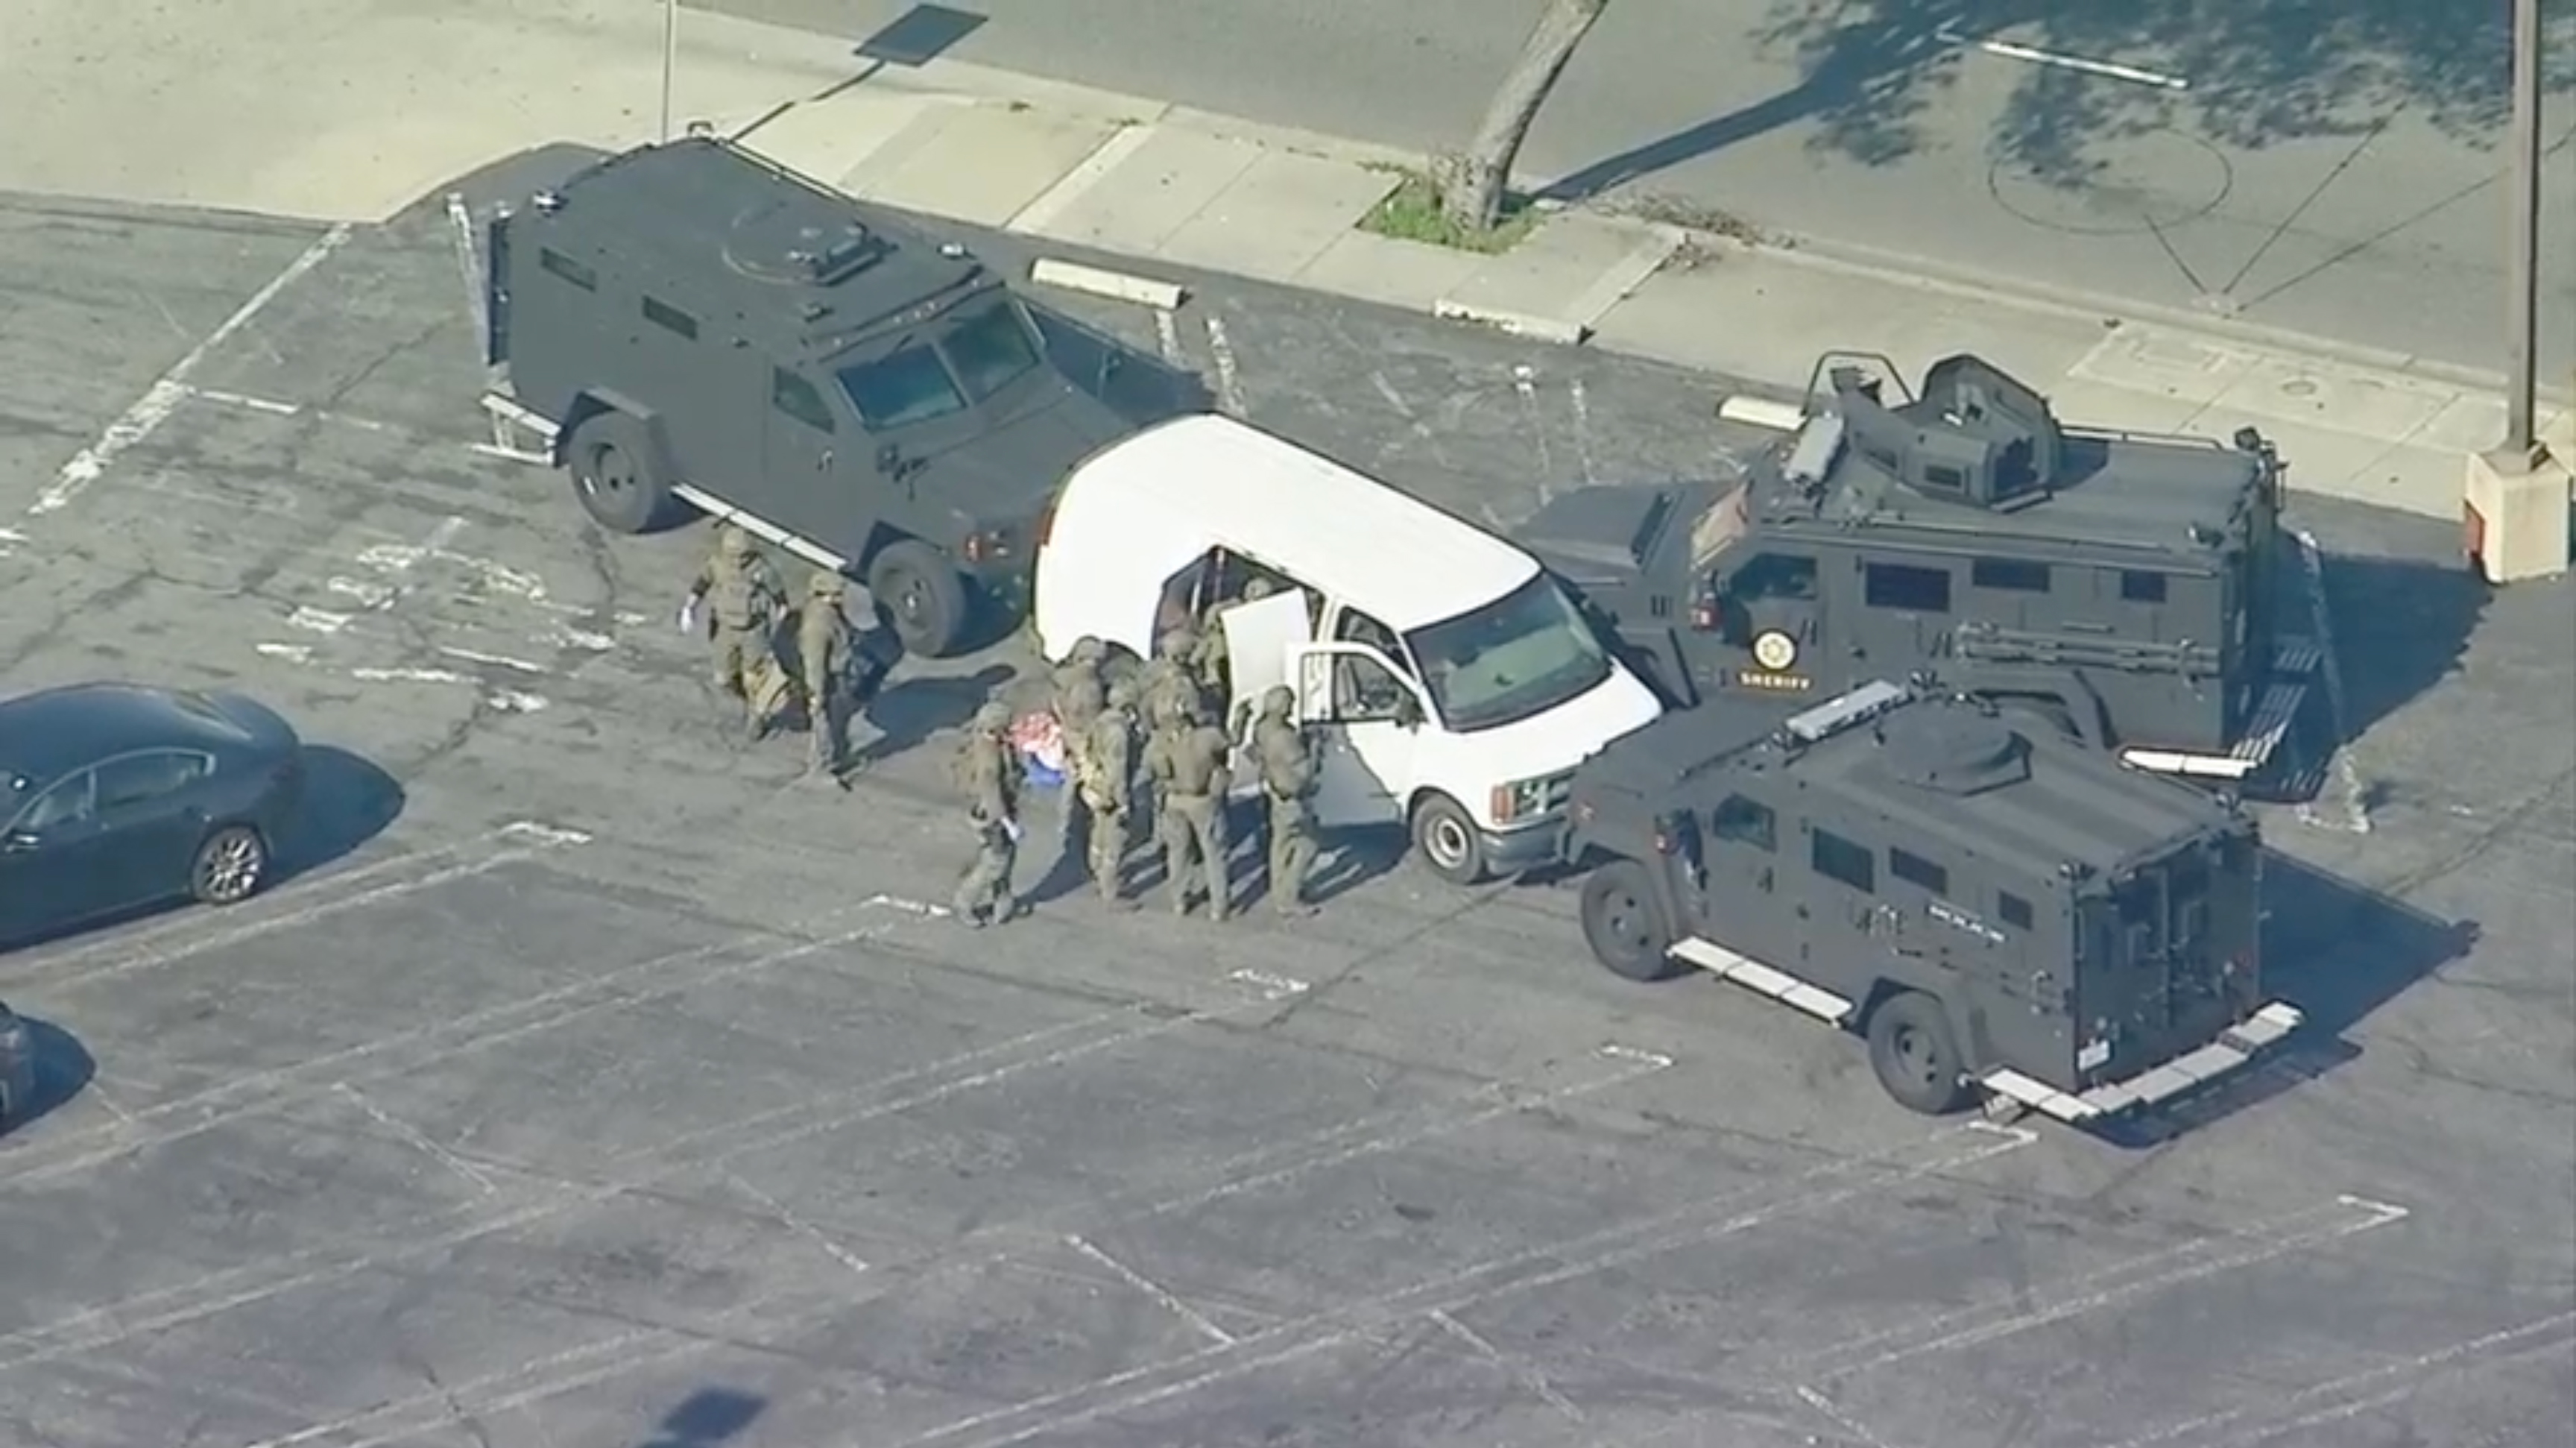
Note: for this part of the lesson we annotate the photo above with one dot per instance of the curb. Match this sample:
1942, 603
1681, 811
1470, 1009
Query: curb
1100, 282
1518, 324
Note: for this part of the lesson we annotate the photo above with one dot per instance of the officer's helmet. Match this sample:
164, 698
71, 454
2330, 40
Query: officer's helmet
733, 541
823, 585
1088, 650
1122, 693
993, 718
1278, 702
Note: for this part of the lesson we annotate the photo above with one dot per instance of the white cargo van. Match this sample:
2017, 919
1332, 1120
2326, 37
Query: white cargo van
1451, 685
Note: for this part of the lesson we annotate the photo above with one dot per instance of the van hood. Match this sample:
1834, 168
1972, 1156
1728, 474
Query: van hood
1556, 741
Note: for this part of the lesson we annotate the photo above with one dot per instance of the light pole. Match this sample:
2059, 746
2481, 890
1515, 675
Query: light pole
670, 58
2522, 278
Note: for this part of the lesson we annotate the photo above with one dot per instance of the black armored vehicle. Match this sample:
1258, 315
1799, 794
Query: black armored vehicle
691, 325
2000, 911
2136, 591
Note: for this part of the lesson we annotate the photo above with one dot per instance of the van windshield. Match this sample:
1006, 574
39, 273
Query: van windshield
1517, 657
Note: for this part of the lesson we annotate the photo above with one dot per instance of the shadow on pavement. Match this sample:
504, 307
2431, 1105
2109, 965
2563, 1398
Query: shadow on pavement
706, 1418
2401, 626
63, 1068
347, 802
2336, 949
908, 711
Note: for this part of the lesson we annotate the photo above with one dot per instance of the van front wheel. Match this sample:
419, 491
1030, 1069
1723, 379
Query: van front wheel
1445, 836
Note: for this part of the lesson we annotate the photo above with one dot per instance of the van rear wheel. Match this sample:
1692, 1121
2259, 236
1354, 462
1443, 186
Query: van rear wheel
1445, 836
1623, 924
1914, 1056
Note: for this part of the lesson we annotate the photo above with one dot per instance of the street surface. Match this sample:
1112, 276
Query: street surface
602, 1084
2342, 183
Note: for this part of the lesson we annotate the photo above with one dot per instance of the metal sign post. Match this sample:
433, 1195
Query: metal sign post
670, 58
2522, 279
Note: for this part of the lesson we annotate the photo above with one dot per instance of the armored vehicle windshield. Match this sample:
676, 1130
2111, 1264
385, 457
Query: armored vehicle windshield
1997, 908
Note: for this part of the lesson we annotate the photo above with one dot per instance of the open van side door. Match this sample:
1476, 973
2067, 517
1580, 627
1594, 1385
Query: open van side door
1260, 636
1364, 737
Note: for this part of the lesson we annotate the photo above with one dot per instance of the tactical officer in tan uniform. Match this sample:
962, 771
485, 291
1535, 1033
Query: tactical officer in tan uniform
1077, 693
1108, 787
990, 775
824, 653
1188, 759
1286, 758
743, 598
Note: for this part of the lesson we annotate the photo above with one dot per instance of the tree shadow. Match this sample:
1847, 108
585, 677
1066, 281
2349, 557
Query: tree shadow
706, 1418
2254, 74
61, 1068
2338, 950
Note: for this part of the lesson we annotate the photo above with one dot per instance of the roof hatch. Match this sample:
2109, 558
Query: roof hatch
778, 242
1953, 751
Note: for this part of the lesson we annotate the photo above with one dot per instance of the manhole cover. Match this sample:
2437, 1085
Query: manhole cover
2157, 180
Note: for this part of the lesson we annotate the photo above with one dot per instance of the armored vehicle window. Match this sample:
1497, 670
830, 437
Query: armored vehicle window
1917, 871
1906, 588
670, 319
1947, 479
1837, 858
2009, 575
990, 350
568, 269
1774, 575
2014, 909
797, 398
908, 385
2142, 587
2141, 919
1745, 822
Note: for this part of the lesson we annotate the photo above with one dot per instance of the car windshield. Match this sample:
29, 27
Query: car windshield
1519, 656
990, 350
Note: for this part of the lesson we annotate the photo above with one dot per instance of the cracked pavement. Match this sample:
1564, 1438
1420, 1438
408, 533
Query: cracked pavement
600, 1082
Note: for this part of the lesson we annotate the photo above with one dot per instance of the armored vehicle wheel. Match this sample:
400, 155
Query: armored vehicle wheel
1446, 839
1623, 925
616, 473
923, 595
1916, 1060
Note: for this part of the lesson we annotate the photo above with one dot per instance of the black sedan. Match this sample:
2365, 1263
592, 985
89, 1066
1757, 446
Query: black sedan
119, 796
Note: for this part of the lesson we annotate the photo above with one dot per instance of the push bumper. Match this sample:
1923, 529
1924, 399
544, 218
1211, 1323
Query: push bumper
2234, 1049
1523, 849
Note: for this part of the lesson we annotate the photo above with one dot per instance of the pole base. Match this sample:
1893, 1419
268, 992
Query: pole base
2517, 515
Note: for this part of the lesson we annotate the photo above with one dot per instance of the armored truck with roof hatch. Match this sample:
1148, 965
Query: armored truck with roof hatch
2136, 591
1997, 909
692, 325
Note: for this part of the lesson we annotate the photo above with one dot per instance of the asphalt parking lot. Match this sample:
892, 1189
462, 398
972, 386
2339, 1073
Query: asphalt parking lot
602, 1082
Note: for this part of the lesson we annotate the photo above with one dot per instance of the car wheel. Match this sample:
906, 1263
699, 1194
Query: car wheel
923, 595
230, 866
1623, 924
617, 474
1445, 837
1911, 1050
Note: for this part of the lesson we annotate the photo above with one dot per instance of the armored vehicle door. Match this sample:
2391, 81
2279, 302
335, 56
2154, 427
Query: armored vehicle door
1760, 623
1739, 900
1366, 722
802, 440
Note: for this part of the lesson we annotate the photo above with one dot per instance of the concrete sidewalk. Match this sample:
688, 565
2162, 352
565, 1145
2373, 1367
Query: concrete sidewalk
1199, 191
352, 118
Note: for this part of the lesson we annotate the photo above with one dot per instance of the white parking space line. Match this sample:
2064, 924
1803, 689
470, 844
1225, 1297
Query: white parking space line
1791, 1194
2306, 1230
1229, 377
2110, 70
469, 266
1160, 1295
411, 1136
1167, 335
633, 1353
1835, 1414
164, 396
779, 1213
1520, 1369
188, 936
2549, 1335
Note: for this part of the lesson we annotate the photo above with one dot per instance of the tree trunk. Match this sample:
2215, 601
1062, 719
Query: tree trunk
1472, 183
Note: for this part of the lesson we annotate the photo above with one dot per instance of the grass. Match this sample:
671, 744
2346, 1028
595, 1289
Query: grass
1411, 212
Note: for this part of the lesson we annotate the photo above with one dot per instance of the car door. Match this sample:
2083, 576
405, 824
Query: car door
1367, 723
1260, 637
152, 822
52, 859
